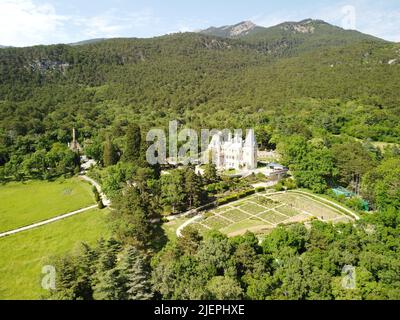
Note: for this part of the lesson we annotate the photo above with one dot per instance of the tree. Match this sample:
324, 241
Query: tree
94, 149
133, 143
110, 153
131, 219
211, 173
74, 275
316, 171
352, 161
190, 240
107, 283
108, 286
382, 185
224, 288
214, 252
193, 188
173, 190
135, 277
312, 166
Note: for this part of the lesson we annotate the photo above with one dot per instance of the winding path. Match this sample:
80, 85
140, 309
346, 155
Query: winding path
104, 198
106, 201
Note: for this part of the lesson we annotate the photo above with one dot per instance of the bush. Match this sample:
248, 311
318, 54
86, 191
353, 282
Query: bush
228, 199
250, 192
236, 196
279, 187
222, 201
241, 195
209, 206
290, 184
96, 194
100, 204
261, 189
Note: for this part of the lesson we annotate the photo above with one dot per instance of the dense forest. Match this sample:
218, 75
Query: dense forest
327, 101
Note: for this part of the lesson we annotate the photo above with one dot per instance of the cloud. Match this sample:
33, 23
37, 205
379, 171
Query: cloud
26, 23
114, 23
22, 22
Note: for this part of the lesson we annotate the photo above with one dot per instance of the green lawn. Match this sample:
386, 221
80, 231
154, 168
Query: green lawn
216, 223
252, 208
243, 225
33, 201
23, 255
236, 215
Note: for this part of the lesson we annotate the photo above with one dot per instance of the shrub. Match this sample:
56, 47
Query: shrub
250, 192
222, 201
290, 184
100, 205
96, 194
279, 187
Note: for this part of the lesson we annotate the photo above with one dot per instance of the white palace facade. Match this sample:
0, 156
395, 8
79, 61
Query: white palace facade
232, 152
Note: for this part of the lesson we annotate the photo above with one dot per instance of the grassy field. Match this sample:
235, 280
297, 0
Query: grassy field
23, 255
33, 201
262, 212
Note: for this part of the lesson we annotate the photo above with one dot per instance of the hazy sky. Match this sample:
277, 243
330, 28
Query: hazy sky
30, 22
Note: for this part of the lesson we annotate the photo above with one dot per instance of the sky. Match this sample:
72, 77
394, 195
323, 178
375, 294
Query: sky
32, 22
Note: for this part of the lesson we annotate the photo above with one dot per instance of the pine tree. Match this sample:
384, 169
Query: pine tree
108, 286
106, 280
135, 275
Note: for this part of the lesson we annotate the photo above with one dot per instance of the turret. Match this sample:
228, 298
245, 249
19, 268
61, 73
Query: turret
250, 150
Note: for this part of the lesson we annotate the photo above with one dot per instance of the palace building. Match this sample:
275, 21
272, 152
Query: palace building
232, 152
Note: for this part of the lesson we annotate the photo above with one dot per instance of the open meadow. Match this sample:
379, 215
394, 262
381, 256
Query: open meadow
24, 203
23, 255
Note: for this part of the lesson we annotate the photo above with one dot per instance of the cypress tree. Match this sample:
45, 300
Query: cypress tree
110, 154
193, 188
210, 173
133, 143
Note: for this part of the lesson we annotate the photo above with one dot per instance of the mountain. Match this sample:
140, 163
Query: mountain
241, 29
249, 31
290, 38
90, 41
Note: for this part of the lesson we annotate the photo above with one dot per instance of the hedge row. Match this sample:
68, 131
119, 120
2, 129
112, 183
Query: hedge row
236, 196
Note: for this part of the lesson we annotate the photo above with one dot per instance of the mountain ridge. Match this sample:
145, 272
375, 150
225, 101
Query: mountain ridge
310, 27
251, 32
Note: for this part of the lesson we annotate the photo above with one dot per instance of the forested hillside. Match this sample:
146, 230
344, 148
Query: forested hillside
333, 93
326, 99
198, 79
